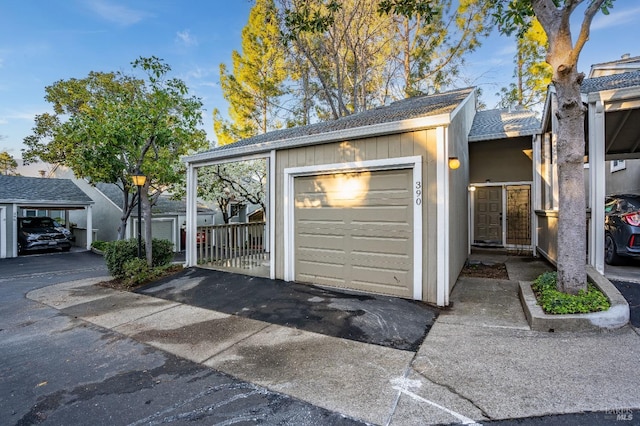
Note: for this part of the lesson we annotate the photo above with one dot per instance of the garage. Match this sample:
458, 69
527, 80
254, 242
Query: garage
355, 230
375, 202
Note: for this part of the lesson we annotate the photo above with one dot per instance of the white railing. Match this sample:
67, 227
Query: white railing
233, 245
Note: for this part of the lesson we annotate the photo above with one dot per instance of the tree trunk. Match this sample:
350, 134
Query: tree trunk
146, 215
572, 217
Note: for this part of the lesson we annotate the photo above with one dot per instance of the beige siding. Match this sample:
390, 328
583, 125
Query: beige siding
418, 143
504, 160
458, 132
548, 234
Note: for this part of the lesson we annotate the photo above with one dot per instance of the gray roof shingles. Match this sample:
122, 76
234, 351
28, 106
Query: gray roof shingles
419, 106
611, 82
500, 124
41, 190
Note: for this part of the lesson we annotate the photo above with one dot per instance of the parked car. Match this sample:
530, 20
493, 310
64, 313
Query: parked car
64, 230
622, 227
39, 233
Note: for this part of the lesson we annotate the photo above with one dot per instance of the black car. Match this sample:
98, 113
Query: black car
622, 227
39, 233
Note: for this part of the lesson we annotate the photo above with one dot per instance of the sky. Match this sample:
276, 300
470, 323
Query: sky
43, 41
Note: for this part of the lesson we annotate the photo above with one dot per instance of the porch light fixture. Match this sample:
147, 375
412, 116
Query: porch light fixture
472, 188
454, 163
139, 180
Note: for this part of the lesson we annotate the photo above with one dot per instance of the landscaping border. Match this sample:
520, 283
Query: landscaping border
615, 317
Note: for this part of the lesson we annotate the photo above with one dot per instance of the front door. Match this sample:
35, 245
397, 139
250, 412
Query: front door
488, 215
518, 215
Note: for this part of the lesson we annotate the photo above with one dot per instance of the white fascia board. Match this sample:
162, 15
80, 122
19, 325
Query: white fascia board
471, 97
320, 138
631, 94
226, 159
505, 135
44, 203
109, 200
546, 111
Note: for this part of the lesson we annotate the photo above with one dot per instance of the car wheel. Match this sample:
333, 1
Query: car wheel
610, 255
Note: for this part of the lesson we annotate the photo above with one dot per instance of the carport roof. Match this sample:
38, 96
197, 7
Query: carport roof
41, 192
611, 82
396, 112
501, 124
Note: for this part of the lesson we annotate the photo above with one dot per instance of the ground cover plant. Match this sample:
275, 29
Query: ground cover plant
553, 301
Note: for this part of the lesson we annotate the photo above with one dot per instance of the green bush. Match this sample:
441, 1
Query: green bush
553, 301
100, 245
135, 272
118, 252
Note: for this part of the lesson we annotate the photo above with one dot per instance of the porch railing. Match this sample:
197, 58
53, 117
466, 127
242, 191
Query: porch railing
233, 245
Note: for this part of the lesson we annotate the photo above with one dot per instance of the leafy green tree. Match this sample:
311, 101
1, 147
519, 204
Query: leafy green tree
8, 164
532, 73
107, 126
256, 82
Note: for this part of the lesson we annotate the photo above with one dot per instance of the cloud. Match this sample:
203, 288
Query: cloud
185, 38
116, 13
615, 19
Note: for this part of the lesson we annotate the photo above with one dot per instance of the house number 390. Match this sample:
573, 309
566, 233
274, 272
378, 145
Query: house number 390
418, 193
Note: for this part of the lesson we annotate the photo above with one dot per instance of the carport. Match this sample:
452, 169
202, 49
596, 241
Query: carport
613, 133
18, 193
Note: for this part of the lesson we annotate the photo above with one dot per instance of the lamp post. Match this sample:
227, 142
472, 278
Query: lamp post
138, 180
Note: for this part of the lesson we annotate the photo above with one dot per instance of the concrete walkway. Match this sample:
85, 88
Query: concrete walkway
479, 361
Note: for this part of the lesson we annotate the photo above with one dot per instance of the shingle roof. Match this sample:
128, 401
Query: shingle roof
419, 106
500, 124
164, 204
610, 82
57, 192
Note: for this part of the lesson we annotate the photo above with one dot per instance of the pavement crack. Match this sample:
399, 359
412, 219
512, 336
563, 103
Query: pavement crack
455, 392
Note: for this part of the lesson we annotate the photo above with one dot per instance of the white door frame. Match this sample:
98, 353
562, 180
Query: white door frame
414, 162
472, 227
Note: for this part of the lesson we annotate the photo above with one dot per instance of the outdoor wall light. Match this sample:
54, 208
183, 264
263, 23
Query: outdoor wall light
472, 188
454, 163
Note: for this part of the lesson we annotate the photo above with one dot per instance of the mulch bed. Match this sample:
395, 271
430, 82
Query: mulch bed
118, 284
496, 271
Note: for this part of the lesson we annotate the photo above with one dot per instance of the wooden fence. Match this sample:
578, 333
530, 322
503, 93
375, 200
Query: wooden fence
233, 245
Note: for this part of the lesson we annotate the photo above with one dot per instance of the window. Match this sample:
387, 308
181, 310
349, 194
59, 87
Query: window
617, 165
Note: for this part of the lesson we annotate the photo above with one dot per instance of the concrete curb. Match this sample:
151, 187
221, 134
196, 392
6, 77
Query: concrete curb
615, 317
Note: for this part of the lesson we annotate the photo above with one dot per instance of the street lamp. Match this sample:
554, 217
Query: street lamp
138, 180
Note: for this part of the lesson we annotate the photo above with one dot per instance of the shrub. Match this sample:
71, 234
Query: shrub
553, 301
135, 272
100, 245
118, 252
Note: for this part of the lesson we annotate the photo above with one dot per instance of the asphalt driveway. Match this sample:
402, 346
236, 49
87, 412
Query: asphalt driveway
386, 321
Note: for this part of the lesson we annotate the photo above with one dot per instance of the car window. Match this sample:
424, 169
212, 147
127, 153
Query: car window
632, 205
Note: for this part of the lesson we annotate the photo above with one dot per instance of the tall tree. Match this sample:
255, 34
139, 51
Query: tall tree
8, 164
562, 55
256, 82
107, 126
532, 73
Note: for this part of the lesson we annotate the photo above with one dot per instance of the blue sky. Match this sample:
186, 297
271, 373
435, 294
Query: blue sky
42, 41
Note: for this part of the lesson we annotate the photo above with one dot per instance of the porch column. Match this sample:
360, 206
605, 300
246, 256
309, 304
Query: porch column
597, 187
536, 191
191, 255
89, 226
270, 226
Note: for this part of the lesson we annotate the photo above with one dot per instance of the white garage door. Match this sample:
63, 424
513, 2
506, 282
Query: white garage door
355, 230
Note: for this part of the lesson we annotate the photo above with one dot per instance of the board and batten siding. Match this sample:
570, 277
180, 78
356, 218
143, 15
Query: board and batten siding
416, 143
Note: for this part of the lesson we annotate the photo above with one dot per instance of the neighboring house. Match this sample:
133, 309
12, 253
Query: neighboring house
367, 202
501, 179
612, 126
25, 195
168, 216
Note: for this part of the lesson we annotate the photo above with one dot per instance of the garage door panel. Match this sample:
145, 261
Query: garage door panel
361, 241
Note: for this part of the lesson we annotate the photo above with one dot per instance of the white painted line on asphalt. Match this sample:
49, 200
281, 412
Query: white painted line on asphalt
465, 420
